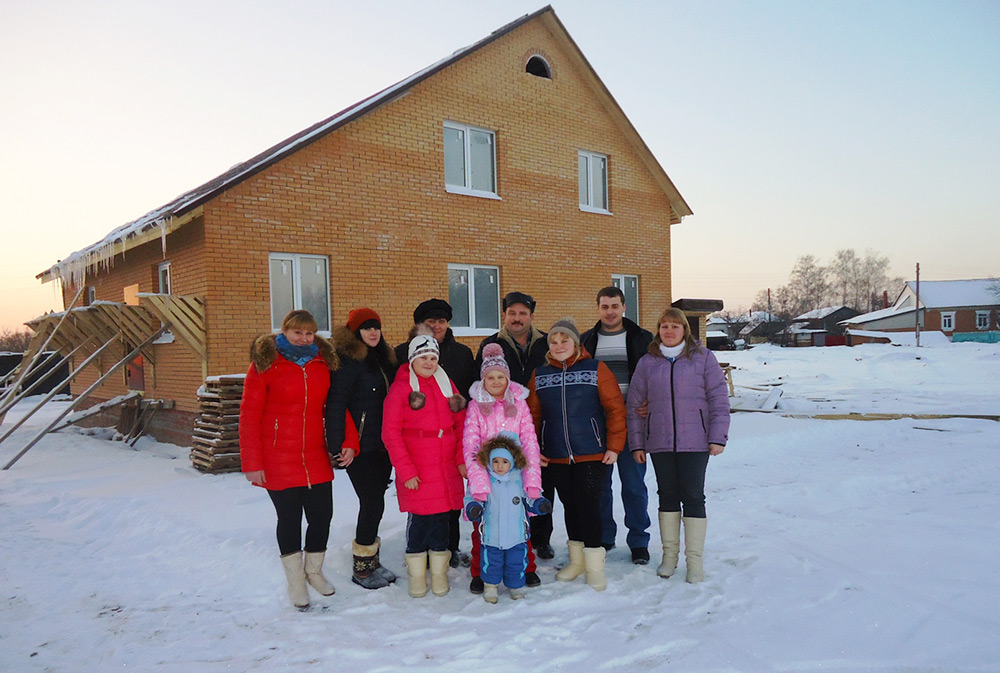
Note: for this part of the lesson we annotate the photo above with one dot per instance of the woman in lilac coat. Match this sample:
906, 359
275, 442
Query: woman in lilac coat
687, 421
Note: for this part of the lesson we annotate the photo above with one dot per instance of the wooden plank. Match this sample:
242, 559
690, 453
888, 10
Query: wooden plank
772, 400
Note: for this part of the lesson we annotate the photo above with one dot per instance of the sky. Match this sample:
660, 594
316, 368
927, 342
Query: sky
790, 127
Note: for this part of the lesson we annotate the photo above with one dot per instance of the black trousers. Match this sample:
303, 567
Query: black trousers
369, 473
316, 502
680, 481
578, 486
427, 532
541, 526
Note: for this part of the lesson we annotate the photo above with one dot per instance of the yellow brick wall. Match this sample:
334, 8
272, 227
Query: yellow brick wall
371, 196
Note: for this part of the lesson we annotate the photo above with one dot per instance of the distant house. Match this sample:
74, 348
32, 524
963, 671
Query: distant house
507, 165
819, 327
763, 327
963, 310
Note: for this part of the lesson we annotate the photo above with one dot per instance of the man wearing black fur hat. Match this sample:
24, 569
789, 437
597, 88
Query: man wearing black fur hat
524, 345
433, 316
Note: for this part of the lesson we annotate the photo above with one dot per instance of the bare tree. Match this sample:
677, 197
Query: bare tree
807, 286
14, 341
994, 288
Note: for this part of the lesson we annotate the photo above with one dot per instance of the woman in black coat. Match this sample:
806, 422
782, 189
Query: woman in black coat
356, 396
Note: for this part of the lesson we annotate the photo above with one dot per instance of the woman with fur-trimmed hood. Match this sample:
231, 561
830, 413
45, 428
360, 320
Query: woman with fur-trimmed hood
354, 426
282, 444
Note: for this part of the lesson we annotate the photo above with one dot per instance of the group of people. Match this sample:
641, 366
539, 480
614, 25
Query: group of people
496, 437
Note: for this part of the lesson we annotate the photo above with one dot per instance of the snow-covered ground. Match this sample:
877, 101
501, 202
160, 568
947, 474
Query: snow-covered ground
832, 546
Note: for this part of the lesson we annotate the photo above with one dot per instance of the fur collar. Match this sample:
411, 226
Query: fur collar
264, 351
349, 346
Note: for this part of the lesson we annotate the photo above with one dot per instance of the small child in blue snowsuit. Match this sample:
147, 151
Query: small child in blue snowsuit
504, 525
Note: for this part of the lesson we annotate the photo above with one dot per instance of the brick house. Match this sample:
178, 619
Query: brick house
963, 310
507, 165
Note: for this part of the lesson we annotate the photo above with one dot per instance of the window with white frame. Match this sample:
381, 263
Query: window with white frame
593, 181
474, 295
629, 285
470, 160
163, 277
299, 282
982, 319
948, 321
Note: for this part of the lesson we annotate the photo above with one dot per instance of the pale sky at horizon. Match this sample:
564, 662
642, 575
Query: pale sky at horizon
790, 127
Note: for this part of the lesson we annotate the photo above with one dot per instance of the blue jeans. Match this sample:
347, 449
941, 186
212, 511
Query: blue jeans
635, 498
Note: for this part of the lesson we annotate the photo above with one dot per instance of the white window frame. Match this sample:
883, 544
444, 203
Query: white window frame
90, 295
589, 157
474, 330
620, 280
296, 261
161, 268
466, 188
982, 320
947, 321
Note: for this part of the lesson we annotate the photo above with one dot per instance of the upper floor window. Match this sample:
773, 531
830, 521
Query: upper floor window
948, 321
538, 67
299, 282
163, 277
474, 295
629, 285
982, 319
593, 174
469, 160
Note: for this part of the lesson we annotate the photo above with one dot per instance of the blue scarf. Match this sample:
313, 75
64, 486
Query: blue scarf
300, 355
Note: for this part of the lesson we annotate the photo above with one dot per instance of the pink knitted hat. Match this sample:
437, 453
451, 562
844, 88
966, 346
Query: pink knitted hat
493, 360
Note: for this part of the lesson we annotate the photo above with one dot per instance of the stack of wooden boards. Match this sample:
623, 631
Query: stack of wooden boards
216, 437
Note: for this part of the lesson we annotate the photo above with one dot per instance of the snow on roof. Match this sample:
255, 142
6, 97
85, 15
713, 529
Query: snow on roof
953, 293
715, 334
877, 315
819, 313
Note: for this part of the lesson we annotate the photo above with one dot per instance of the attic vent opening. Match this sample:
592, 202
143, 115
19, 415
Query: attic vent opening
538, 67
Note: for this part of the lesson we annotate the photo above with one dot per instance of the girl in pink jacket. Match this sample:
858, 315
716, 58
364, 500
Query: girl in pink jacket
422, 430
498, 404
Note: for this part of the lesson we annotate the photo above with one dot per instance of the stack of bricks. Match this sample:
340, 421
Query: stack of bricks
216, 436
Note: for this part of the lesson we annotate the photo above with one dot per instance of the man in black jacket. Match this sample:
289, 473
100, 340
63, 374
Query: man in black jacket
619, 343
524, 345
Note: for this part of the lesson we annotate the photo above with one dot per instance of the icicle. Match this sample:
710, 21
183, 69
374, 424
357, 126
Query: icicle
163, 236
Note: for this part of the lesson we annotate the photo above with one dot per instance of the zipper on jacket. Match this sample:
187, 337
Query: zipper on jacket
361, 429
673, 404
305, 406
562, 387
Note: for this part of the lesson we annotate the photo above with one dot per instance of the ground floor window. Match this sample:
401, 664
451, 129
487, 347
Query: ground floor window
629, 285
474, 295
948, 321
163, 278
299, 282
982, 319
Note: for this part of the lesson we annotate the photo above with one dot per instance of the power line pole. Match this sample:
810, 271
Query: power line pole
916, 319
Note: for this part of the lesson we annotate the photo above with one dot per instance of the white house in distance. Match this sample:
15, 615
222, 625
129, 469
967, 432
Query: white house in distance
963, 310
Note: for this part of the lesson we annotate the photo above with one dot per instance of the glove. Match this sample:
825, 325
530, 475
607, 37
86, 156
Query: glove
474, 510
540, 506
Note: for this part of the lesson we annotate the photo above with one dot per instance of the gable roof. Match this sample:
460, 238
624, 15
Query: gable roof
954, 293
176, 213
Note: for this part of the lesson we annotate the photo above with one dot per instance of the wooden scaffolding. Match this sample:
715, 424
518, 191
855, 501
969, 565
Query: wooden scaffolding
108, 336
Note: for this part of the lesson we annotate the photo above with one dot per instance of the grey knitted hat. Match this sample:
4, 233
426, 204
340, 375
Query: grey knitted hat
565, 326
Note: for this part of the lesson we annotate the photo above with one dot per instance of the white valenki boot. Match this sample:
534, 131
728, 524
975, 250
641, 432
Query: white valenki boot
593, 561
694, 547
416, 572
670, 536
314, 573
296, 575
491, 592
575, 567
439, 562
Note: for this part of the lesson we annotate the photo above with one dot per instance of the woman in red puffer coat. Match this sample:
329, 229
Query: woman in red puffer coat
283, 445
